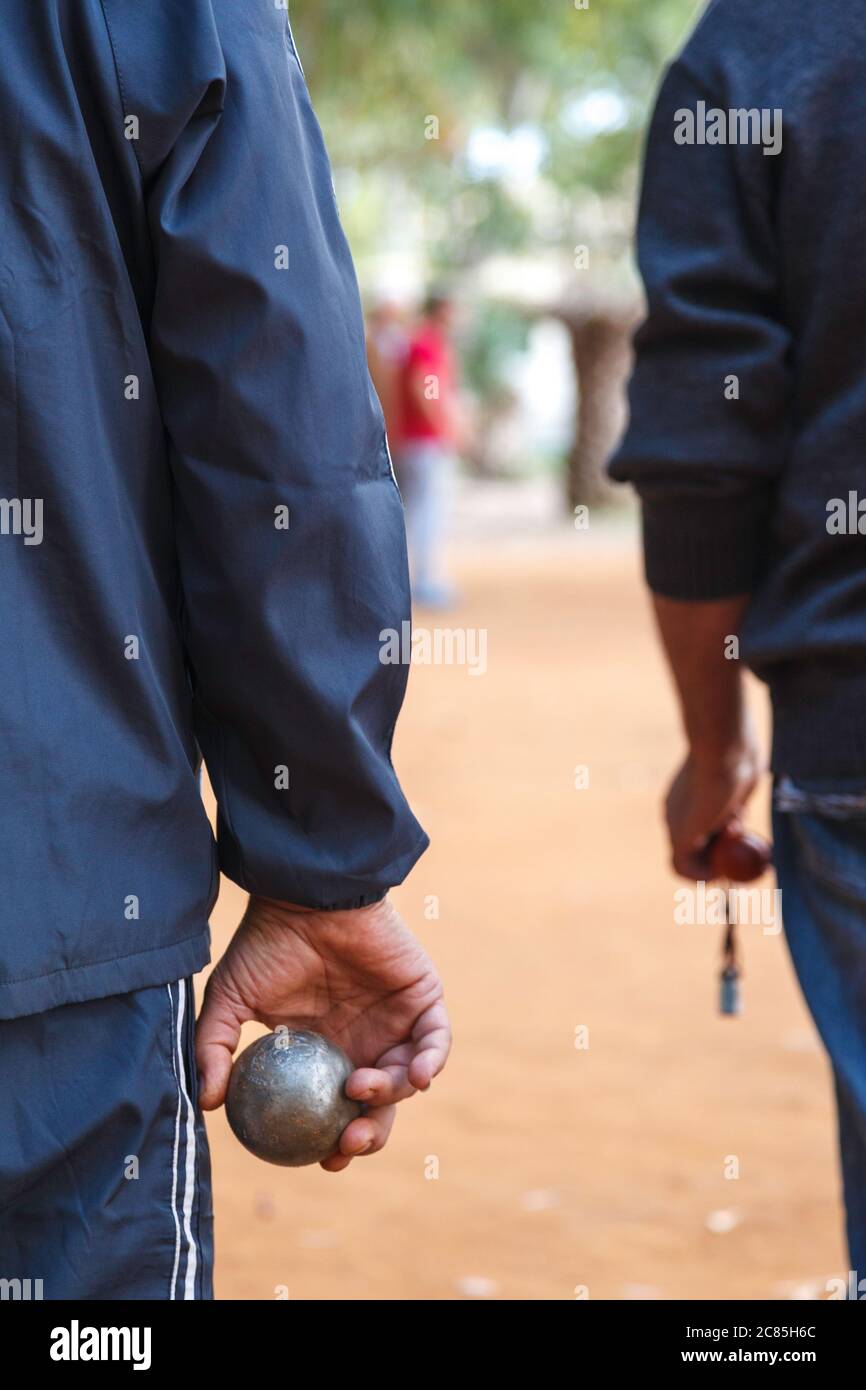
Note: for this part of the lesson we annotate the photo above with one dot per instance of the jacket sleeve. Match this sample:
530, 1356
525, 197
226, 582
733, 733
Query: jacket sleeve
288, 521
708, 398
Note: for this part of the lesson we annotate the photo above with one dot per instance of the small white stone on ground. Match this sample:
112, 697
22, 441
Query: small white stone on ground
539, 1199
476, 1286
722, 1222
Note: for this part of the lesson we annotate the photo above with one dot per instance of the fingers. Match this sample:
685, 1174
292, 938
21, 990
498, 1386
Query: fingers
702, 800
369, 1133
409, 1066
432, 1037
217, 1035
691, 862
377, 1086
691, 838
335, 1164
362, 1137
404, 1069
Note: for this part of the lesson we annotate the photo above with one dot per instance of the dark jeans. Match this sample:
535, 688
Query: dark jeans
820, 854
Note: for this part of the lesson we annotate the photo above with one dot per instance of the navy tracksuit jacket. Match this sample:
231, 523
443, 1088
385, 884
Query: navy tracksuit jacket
184, 398
201, 540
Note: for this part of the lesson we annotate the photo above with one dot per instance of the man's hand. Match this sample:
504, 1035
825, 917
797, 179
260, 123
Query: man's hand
724, 762
704, 796
360, 978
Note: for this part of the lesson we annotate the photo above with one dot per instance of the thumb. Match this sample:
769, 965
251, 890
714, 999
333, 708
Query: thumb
217, 1035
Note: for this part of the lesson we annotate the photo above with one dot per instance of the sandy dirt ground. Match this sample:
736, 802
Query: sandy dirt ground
535, 1169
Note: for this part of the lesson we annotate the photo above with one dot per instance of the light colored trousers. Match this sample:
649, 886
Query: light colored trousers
426, 470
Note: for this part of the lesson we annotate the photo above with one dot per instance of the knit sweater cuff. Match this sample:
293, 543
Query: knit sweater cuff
703, 548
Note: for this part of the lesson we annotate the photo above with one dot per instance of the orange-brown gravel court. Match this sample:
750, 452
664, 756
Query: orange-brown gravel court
560, 1169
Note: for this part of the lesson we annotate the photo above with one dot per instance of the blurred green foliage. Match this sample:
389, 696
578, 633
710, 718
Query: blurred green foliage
578, 83
496, 335
538, 110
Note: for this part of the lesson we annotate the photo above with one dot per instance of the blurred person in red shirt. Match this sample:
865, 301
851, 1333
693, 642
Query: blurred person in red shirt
430, 436
387, 346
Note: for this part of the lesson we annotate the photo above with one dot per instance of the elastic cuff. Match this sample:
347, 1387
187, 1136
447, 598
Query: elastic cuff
366, 900
316, 890
702, 548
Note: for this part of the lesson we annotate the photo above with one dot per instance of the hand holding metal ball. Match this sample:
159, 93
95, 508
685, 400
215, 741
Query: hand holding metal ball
287, 1099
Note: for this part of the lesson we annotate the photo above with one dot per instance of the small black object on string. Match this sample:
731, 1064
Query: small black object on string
730, 996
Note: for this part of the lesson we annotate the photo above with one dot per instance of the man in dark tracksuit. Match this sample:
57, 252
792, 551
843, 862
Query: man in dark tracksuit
201, 542
747, 444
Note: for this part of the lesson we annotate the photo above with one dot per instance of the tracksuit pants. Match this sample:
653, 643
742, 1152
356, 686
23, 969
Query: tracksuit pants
104, 1169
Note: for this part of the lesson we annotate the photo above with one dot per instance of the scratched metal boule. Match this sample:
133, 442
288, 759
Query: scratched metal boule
287, 1099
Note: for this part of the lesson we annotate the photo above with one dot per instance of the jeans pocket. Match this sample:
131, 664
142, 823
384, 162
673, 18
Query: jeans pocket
834, 851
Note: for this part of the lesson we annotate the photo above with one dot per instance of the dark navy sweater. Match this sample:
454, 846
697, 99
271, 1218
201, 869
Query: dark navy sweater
747, 437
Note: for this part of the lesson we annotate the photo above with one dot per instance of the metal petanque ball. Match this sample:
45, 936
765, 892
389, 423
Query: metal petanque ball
287, 1099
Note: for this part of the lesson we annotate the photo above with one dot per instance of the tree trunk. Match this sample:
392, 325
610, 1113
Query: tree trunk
601, 351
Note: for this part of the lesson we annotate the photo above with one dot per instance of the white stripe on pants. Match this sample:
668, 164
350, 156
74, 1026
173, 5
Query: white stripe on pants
183, 1233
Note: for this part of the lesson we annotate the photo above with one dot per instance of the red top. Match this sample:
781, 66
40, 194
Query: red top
429, 357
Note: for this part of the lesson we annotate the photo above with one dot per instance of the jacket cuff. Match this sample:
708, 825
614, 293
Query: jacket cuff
309, 887
704, 548
365, 900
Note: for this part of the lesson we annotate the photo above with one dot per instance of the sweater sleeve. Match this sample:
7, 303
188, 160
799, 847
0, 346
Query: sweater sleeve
288, 523
708, 429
